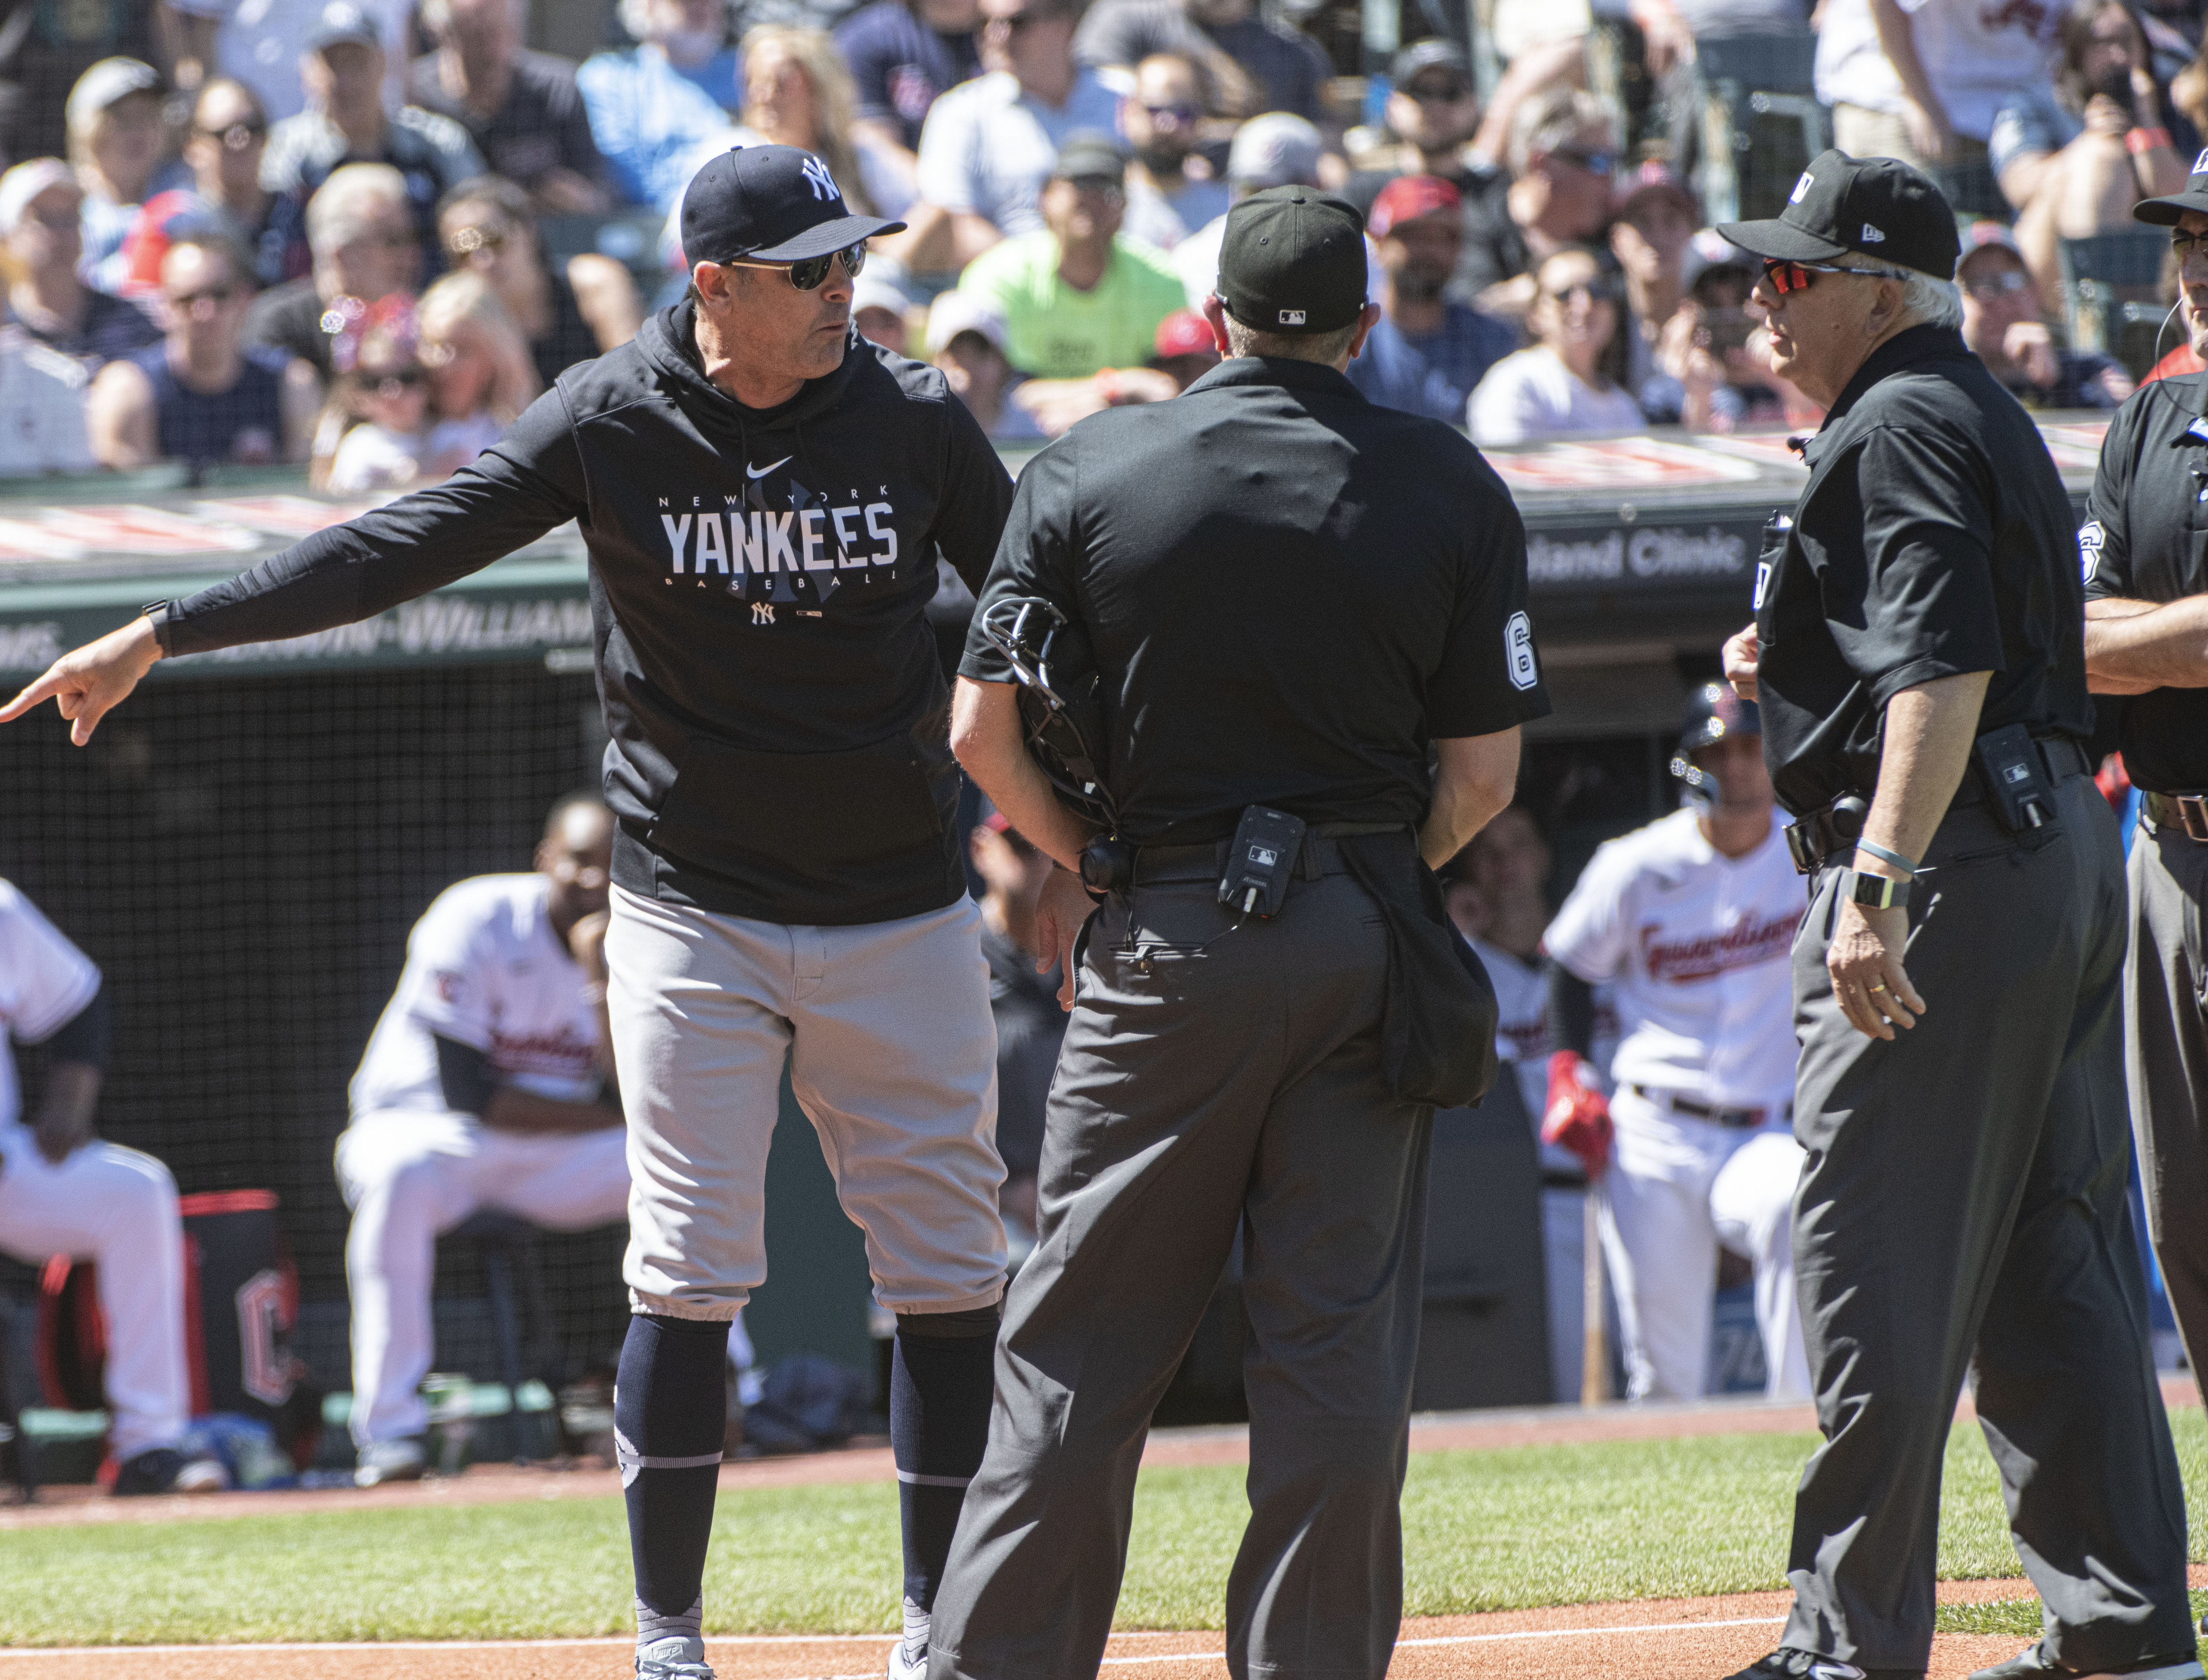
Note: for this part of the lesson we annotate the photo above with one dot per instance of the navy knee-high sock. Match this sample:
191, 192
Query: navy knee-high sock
942, 1375
670, 1408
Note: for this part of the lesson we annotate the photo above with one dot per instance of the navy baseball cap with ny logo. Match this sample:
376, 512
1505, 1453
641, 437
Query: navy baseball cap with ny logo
2162, 213
1874, 206
770, 204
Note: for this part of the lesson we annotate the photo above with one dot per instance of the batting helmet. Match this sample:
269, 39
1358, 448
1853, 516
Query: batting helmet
1714, 712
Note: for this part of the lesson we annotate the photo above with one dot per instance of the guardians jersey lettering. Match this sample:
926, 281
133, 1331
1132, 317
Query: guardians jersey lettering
1688, 961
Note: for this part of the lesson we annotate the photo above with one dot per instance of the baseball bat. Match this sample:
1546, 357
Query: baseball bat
1594, 1356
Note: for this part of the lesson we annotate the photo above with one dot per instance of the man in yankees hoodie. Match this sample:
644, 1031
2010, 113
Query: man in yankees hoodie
764, 495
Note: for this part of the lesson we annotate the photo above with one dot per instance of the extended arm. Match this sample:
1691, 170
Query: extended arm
1475, 778
526, 484
1928, 732
2132, 646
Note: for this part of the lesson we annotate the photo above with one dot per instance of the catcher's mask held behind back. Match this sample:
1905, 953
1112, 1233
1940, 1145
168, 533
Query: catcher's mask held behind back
1061, 708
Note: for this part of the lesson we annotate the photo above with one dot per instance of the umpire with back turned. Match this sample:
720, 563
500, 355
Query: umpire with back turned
2145, 549
1918, 659
1290, 594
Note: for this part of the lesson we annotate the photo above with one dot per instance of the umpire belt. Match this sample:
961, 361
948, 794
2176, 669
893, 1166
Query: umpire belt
1816, 840
2184, 813
1733, 1120
1161, 865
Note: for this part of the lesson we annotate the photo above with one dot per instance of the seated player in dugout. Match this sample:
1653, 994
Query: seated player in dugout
64, 1192
487, 1083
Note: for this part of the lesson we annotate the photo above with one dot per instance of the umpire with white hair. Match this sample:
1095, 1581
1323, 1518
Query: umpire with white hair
1290, 594
1918, 659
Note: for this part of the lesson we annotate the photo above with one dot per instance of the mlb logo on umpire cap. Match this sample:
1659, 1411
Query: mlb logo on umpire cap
1292, 318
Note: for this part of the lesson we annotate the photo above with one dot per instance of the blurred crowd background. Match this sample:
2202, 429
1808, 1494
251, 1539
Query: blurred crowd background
363, 234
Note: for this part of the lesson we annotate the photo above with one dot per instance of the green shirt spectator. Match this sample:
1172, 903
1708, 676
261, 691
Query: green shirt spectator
1078, 296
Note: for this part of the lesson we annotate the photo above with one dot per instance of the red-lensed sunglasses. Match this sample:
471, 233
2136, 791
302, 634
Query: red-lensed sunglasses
1783, 278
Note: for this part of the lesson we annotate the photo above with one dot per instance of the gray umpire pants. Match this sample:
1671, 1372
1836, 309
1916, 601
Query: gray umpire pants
2166, 1036
1211, 1079
1965, 1198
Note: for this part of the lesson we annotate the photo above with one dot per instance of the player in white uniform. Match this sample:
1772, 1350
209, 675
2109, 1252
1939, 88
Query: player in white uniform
1693, 918
485, 1084
62, 1192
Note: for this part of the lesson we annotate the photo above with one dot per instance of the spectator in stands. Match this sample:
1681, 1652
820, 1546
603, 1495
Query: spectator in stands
655, 108
362, 239
878, 306
199, 395
1567, 382
1563, 159
54, 46
381, 404
1077, 295
481, 376
797, 93
1922, 84
224, 151
966, 339
1284, 70
904, 55
258, 42
1711, 347
520, 108
1029, 1024
1184, 349
345, 122
42, 405
39, 220
2002, 325
1279, 149
1657, 216
988, 145
566, 317
1425, 355
1171, 191
2073, 155
116, 143
1434, 112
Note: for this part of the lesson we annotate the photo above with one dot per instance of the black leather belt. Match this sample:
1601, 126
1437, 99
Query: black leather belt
2186, 813
1736, 1120
1819, 837
1157, 865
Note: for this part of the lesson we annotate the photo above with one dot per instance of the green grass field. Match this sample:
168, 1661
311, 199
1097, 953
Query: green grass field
1491, 1530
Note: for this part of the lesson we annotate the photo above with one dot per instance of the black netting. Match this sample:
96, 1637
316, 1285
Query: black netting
244, 859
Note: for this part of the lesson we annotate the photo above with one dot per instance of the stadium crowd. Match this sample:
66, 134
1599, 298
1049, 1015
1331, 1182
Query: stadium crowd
250, 209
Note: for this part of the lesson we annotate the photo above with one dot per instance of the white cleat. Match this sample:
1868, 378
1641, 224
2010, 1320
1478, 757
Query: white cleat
675, 1659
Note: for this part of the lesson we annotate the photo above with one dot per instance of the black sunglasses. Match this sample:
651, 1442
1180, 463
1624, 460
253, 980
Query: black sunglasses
237, 136
810, 274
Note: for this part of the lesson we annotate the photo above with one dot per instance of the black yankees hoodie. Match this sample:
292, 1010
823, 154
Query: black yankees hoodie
779, 722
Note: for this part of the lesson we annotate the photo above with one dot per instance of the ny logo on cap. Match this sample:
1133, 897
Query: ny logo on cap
1802, 186
1292, 318
818, 178
2201, 163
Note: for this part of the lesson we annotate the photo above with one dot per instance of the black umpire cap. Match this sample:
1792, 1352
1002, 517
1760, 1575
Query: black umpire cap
1292, 261
1872, 207
770, 204
2163, 212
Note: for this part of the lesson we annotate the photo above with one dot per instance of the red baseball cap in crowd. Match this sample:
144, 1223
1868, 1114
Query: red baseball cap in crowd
1653, 176
1183, 332
1409, 197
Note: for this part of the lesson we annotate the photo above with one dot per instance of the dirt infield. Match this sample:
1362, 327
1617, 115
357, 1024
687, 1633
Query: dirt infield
1675, 1639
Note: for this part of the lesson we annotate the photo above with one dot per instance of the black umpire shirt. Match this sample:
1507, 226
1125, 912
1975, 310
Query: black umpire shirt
1932, 540
2146, 538
1290, 591
779, 718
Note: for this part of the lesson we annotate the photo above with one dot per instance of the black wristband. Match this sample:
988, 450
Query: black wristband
1873, 891
159, 614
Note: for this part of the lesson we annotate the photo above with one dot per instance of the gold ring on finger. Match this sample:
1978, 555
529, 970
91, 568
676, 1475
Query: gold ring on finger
1880, 987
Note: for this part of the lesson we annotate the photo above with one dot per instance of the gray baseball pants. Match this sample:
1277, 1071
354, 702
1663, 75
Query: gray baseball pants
2166, 1037
1963, 1204
1211, 1080
892, 1054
